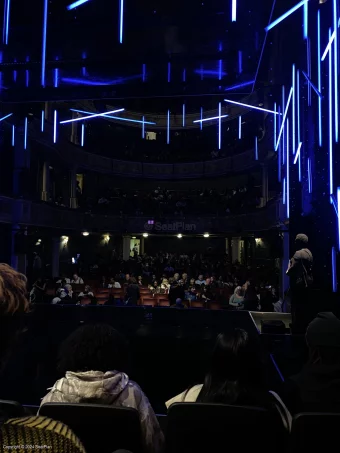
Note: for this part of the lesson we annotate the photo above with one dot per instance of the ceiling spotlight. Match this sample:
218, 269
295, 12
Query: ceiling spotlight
180, 236
145, 235
85, 233
39, 240
206, 235
133, 237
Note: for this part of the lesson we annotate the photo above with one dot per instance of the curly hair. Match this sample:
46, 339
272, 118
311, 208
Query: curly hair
93, 347
13, 291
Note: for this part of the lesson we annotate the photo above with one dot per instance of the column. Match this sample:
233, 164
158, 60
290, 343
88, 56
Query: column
73, 189
284, 283
74, 132
141, 247
264, 184
55, 256
236, 249
126, 247
45, 189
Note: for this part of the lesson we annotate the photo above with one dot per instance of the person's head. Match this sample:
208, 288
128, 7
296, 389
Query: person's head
75, 276
176, 276
178, 301
301, 241
184, 276
208, 281
139, 278
68, 289
96, 347
127, 277
323, 339
133, 281
200, 277
235, 369
155, 284
238, 291
88, 289
192, 281
112, 280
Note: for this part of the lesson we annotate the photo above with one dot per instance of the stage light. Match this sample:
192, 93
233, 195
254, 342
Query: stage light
85, 233
284, 118
328, 47
334, 203
143, 127
6, 19
240, 69
274, 125
114, 117
121, 20
293, 107
297, 154
338, 200
239, 127
201, 121
56, 77
64, 240
13, 135
309, 170
210, 119
233, 10
75, 4
284, 129
169, 72
183, 115
312, 84
82, 134
184, 75
43, 52
91, 116
256, 150
219, 125
220, 70
284, 191
287, 170
42, 120
144, 72
133, 237
241, 85
279, 157
5, 117
336, 94
319, 80
330, 121
168, 128
206, 235
25, 133
145, 235
334, 274
285, 15
180, 236
298, 105
250, 106
55, 127
305, 20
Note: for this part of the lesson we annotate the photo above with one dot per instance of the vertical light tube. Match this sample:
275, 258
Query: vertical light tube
305, 20
13, 135
144, 72
183, 115
25, 133
201, 123
42, 120
184, 76
330, 120
336, 94
338, 200
284, 129
56, 77
240, 69
287, 170
309, 70
121, 20
219, 69
233, 10
4, 23
319, 81
8, 9
293, 109
275, 125
309, 169
168, 129
143, 126
284, 191
27, 74
256, 149
83, 69
239, 127
55, 127
279, 157
334, 279
43, 52
298, 106
219, 125
82, 134
169, 72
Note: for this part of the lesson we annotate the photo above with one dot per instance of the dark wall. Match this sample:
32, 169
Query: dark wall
172, 244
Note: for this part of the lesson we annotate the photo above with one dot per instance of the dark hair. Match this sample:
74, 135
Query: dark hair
235, 369
97, 347
133, 280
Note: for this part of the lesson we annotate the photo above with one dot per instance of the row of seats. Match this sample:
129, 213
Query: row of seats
193, 428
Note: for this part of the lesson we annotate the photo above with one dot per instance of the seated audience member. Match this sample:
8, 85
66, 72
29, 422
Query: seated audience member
165, 286
179, 304
140, 280
220, 282
64, 295
154, 288
114, 284
176, 277
191, 293
92, 359
87, 294
236, 300
200, 280
77, 280
251, 300
132, 292
38, 291
63, 279
235, 377
317, 387
103, 283
176, 292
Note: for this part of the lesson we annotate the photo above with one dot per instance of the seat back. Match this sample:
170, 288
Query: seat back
315, 432
99, 427
202, 428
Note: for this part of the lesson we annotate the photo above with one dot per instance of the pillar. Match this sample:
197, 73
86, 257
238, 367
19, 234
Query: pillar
236, 249
55, 256
141, 247
284, 263
74, 132
126, 247
264, 184
45, 189
73, 189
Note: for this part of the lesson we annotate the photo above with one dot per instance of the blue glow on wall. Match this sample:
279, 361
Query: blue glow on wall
42, 120
13, 135
285, 15
91, 116
75, 4
334, 278
279, 157
219, 125
305, 20
184, 75
121, 20
240, 68
334, 203
82, 134
284, 118
330, 120
250, 106
183, 115
309, 70
27, 74
220, 70
298, 105
256, 149
336, 94
129, 120
239, 127
233, 10
25, 133
43, 52
56, 77
287, 171
293, 107
168, 129
319, 79
55, 126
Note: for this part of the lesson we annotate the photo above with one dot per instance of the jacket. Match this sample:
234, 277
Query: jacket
112, 387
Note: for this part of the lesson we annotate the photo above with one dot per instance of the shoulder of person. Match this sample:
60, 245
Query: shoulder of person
188, 396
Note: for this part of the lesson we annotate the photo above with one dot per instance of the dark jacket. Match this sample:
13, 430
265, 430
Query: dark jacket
300, 271
132, 294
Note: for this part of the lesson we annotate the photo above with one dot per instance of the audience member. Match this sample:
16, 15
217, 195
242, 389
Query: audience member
92, 359
64, 295
87, 294
179, 304
236, 300
132, 292
38, 291
77, 280
114, 284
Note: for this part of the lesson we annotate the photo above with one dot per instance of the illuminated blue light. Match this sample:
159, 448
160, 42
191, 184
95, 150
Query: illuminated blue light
298, 105
43, 52
27, 73
4, 24
210, 119
211, 72
184, 75
279, 159
239, 127
240, 69
330, 150
121, 20
143, 126
293, 107
305, 20
287, 170
13, 135
297, 155
169, 72
219, 125
312, 84
233, 10
75, 4
42, 120
220, 70
338, 199
83, 69
201, 121
82, 134
168, 129
91, 116
183, 115
309, 169
25, 133
100, 82
334, 278
5, 117
328, 47
56, 77
8, 3
309, 70
250, 106
256, 150
55, 127
240, 85
319, 81
284, 191
130, 120
284, 129
284, 119
334, 203
274, 125
144, 72
336, 94
285, 15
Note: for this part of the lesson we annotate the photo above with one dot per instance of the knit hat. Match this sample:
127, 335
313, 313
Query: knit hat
302, 238
324, 330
